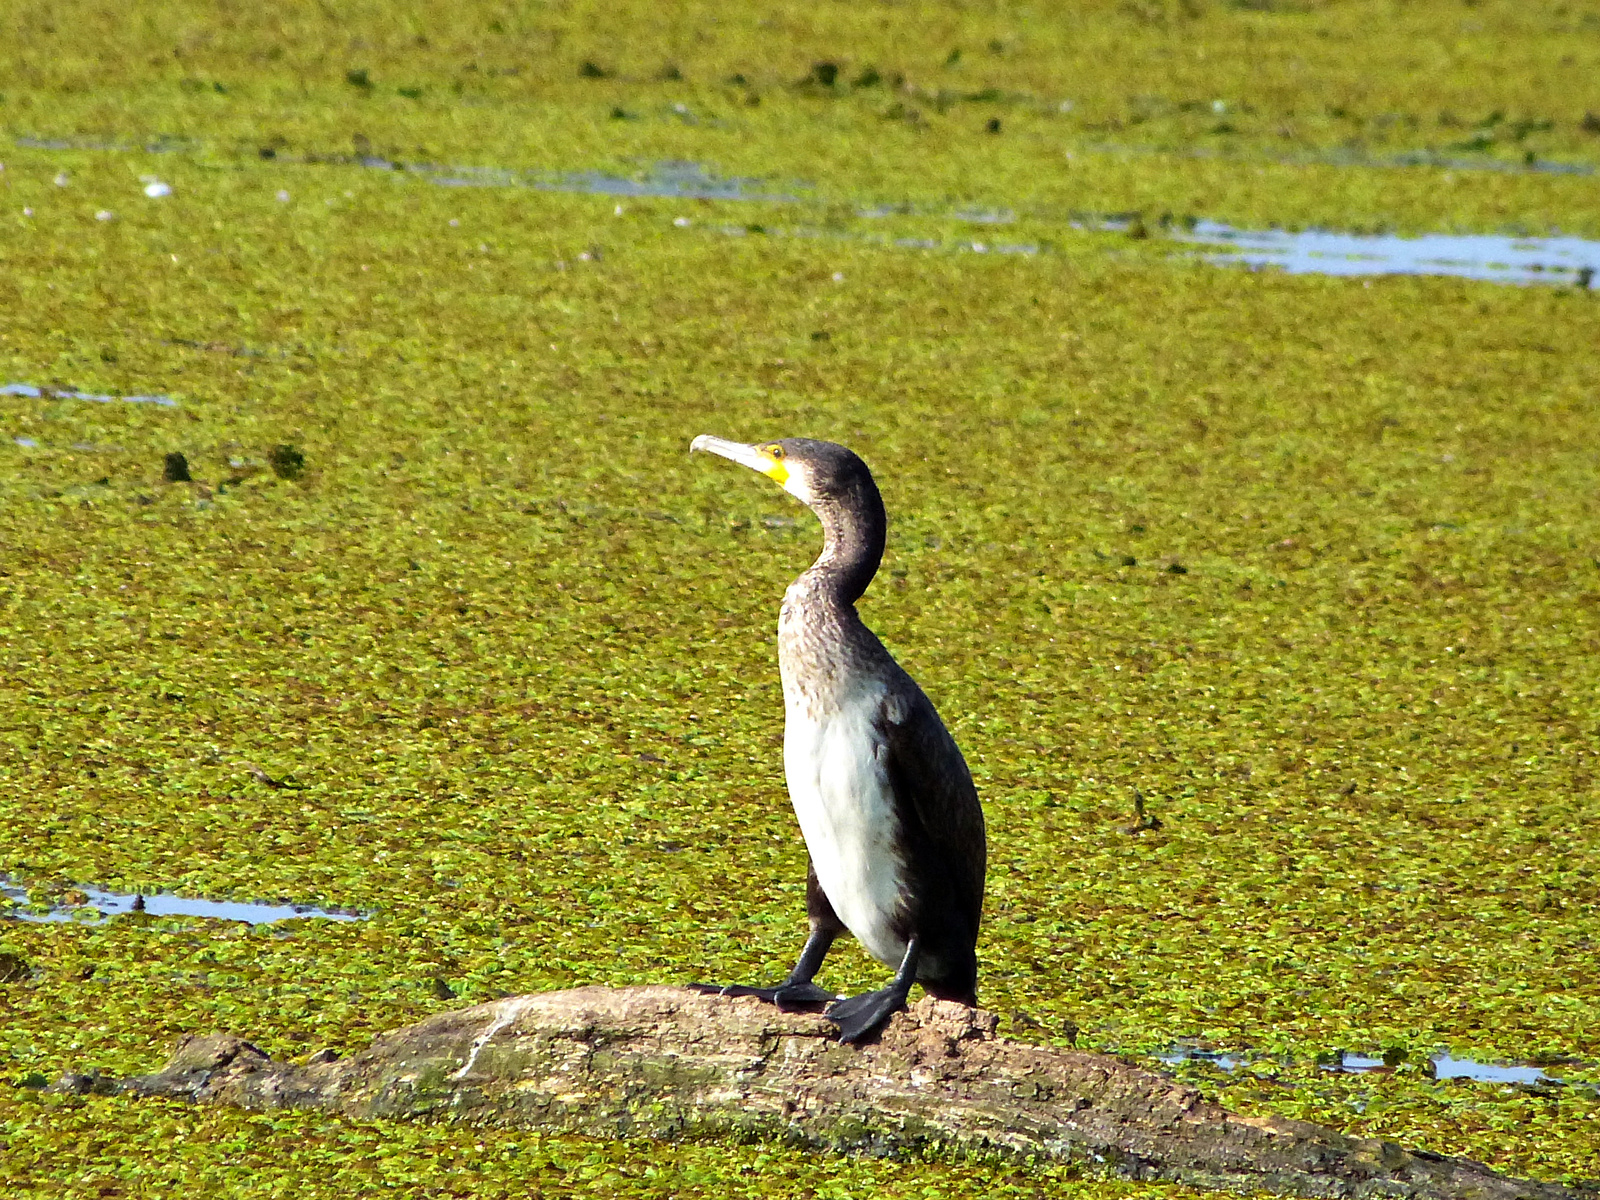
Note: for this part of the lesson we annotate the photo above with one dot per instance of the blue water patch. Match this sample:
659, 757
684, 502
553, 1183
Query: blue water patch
1558, 260
985, 216
1220, 1059
1495, 258
1571, 261
680, 180
97, 906
1447, 1067
1442, 1065
33, 392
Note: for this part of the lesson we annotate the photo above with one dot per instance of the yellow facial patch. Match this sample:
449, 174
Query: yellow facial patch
777, 470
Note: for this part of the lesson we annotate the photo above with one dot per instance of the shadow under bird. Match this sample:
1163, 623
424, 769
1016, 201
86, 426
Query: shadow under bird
886, 803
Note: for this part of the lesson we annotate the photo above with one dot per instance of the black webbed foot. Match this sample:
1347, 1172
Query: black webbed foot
864, 1014
797, 997
860, 1016
789, 997
796, 993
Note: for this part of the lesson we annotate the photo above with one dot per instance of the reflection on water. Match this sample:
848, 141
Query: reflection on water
1571, 261
1446, 1067
1222, 1060
87, 905
1442, 1065
1566, 260
34, 392
685, 180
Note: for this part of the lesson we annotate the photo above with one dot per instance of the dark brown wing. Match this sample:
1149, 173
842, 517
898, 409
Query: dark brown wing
942, 823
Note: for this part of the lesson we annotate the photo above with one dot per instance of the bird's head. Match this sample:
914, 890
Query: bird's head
833, 483
814, 473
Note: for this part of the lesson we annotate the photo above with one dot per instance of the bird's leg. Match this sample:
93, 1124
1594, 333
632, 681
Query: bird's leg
861, 1015
797, 991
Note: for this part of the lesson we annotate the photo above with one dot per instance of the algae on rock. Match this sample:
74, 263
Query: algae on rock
667, 1063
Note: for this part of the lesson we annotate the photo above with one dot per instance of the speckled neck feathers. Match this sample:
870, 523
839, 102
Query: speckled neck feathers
821, 640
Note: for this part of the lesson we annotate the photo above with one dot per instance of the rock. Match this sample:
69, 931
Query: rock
668, 1063
84, 1083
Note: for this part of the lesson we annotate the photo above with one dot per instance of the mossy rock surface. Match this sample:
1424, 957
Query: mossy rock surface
673, 1064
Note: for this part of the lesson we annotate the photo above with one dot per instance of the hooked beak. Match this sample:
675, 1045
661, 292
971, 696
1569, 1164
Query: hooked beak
757, 458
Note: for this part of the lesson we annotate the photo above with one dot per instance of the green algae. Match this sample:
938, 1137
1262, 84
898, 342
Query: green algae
514, 650
119, 1150
1239, 113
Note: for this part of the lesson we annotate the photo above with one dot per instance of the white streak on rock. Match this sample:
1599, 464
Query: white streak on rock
510, 1010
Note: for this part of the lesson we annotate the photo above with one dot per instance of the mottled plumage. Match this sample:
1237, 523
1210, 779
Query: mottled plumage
883, 796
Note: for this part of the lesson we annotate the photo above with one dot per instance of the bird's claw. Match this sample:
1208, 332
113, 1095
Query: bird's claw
862, 1015
788, 997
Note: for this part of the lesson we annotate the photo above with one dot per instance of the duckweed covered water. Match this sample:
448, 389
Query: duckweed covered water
1311, 565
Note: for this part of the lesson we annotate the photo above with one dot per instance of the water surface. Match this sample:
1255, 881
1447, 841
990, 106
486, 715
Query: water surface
1497, 258
101, 905
34, 392
1441, 1065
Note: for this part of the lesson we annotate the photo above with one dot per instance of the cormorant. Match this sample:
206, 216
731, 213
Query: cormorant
885, 801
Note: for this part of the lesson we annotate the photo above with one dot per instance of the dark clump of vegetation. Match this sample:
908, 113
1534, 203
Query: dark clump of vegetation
823, 74
287, 462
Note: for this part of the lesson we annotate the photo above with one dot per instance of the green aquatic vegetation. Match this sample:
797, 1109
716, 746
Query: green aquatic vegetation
124, 1149
1238, 114
443, 565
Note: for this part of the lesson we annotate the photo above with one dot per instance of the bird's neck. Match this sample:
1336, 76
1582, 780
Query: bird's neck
854, 528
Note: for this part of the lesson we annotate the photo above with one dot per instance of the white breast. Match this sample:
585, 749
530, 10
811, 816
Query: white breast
841, 795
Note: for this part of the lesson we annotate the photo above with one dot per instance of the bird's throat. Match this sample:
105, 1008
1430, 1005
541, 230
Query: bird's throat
854, 528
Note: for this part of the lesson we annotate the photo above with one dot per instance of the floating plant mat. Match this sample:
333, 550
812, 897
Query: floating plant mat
1570, 261
1310, 565
1520, 259
1248, 115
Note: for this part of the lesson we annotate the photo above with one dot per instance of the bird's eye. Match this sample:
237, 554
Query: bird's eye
775, 450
